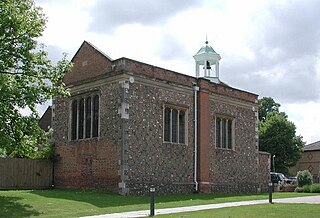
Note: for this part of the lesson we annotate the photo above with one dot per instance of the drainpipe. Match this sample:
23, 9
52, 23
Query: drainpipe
196, 89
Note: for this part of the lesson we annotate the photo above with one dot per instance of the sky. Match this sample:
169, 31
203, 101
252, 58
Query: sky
268, 47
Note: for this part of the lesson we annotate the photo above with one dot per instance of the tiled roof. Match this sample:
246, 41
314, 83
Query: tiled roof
312, 147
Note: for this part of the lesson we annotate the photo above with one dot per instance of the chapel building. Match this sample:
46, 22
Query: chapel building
128, 125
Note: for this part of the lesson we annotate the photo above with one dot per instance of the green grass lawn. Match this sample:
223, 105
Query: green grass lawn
261, 211
74, 203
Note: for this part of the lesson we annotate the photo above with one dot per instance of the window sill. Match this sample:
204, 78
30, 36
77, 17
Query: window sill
174, 143
85, 139
225, 149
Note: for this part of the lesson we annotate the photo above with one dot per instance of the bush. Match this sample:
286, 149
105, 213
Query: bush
315, 188
304, 178
306, 188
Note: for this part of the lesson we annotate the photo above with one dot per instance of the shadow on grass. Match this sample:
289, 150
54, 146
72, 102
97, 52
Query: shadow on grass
103, 199
11, 207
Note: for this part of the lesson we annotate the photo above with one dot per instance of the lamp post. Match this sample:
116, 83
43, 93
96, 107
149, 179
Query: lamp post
274, 166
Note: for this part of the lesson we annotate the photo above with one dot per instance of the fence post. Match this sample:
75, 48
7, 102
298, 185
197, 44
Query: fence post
270, 192
152, 194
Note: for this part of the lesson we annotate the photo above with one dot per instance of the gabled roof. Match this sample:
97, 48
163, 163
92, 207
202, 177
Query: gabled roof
98, 50
312, 147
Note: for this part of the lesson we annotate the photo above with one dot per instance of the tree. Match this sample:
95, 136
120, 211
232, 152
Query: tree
267, 105
277, 135
27, 77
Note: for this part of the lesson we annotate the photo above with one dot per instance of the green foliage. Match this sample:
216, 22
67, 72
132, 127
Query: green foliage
30, 141
277, 135
267, 105
306, 188
315, 188
27, 76
304, 178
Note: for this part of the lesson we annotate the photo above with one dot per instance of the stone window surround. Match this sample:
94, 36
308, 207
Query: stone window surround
178, 108
228, 119
78, 97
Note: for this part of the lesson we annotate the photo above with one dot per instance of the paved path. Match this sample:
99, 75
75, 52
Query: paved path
145, 213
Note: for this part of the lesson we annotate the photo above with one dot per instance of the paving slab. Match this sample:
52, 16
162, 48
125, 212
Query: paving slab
299, 200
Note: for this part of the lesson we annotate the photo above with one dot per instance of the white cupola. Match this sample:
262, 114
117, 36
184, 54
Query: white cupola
207, 63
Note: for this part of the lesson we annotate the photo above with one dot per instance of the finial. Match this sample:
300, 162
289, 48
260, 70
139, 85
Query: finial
207, 39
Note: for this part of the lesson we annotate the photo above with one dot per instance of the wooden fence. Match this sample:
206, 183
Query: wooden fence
18, 173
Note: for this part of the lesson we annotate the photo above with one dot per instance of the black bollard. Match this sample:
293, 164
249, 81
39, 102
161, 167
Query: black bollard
270, 192
152, 194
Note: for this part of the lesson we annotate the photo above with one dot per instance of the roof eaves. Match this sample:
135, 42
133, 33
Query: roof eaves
312, 147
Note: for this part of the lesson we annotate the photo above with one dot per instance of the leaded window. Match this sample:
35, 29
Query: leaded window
81, 119
85, 117
95, 125
74, 119
88, 117
174, 124
224, 132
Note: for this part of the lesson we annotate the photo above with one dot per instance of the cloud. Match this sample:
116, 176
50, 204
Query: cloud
305, 119
292, 81
286, 51
294, 28
170, 48
107, 15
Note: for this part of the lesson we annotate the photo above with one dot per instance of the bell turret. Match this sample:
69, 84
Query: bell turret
205, 59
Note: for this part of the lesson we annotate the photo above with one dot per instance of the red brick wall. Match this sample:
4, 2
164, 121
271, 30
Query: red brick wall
89, 163
204, 128
226, 90
154, 72
182, 79
88, 63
